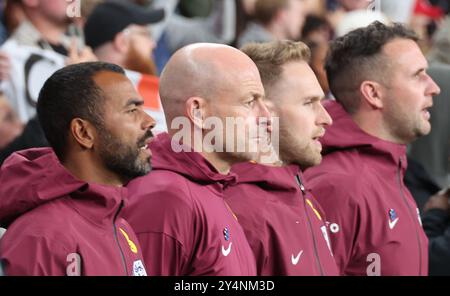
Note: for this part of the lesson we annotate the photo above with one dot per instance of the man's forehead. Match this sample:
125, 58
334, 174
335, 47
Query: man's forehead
106, 77
297, 72
234, 76
405, 54
402, 48
298, 76
112, 81
115, 85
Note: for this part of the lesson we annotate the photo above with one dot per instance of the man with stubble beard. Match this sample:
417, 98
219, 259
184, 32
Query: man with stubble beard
63, 205
284, 224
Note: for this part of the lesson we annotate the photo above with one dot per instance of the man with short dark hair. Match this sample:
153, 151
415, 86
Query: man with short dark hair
383, 92
63, 208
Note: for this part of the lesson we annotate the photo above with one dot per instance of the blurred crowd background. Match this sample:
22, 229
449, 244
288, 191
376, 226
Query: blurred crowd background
39, 36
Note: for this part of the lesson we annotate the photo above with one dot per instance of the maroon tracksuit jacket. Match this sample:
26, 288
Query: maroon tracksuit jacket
375, 228
182, 220
284, 224
59, 225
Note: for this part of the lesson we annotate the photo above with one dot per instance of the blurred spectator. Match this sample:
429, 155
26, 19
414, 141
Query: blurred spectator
87, 6
13, 15
440, 50
319, 52
420, 183
342, 7
436, 222
316, 7
426, 14
47, 22
218, 27
249, 6
31, 137
316, 29
316, 33
275, 20
10, 125
3, 32
118, 33
399, 11
44, 27
350, 5
177, 31
195, 8
244, 14
4, 66
358, 19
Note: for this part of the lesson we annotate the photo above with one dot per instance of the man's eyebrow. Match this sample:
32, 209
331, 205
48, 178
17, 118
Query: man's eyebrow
421, 70
257, 95
314, 98
134, 101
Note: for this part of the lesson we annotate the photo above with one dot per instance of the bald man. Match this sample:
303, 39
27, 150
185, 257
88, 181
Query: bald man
178, 211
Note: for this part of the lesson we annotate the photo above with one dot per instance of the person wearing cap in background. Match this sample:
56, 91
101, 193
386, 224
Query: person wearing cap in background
118, 32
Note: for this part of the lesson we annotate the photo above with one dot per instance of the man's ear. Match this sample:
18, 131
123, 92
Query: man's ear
195, 110
83, 132
121, 42
372, 93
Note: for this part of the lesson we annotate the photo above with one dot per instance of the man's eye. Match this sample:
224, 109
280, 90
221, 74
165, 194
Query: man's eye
132, 110
250, 103
420, 74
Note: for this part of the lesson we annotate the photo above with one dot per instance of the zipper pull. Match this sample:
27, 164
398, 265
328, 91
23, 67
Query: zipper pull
300, 184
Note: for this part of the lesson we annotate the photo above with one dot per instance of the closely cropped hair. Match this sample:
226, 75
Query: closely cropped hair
265, 10
270, 57
357, 56
69, 93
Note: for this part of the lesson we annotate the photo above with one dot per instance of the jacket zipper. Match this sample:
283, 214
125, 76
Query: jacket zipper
411, 213
316, 253
117, 239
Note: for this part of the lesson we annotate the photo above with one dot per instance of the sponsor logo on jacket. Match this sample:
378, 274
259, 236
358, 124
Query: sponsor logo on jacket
132, 245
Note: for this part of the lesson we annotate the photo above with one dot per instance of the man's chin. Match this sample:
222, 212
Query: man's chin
146, 166
238, 157
306, 163
426, 129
